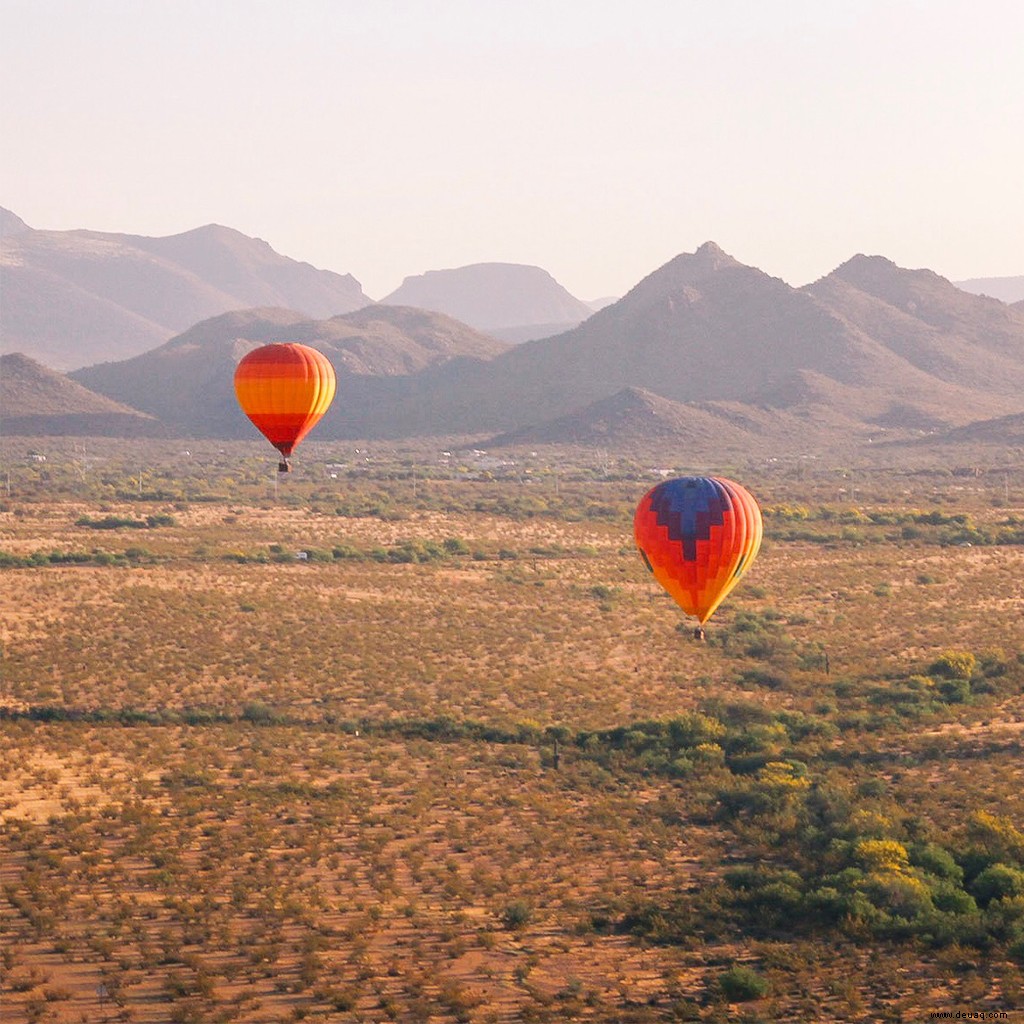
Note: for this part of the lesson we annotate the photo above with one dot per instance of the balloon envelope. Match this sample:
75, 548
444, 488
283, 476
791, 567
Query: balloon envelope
284, 389
698, 535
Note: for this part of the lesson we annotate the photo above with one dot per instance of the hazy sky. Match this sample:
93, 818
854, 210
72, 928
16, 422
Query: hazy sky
384, 139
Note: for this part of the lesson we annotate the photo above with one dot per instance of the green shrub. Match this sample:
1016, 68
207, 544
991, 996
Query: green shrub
997, 882
954, 691
901, 895
258, 713
741, 984
936, 861
952, 899
760, 677
516, 915
346, 551
110, 523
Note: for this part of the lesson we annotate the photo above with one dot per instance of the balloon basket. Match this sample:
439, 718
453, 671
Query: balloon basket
284, 466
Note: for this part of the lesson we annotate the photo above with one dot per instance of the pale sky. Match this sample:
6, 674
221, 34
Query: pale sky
384, 139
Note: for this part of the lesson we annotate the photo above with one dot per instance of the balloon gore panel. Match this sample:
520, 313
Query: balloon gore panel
285, 389
698, 535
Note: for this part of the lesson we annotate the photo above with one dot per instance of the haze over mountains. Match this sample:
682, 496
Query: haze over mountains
703, 348
195, 370
638, 419
73, 298
707, 328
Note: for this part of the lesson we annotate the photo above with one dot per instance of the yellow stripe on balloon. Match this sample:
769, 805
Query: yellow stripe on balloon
285, 389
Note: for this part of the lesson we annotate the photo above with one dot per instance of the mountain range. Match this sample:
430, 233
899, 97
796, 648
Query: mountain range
704, 350
75, 298
634, 418
72, 298
871, 347
195, 370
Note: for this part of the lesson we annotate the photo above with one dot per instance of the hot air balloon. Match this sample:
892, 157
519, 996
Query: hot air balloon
698, 535
284, 389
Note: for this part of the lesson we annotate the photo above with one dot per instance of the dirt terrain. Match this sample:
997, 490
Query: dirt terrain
349, 752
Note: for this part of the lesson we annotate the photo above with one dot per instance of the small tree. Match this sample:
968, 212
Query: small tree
881, 855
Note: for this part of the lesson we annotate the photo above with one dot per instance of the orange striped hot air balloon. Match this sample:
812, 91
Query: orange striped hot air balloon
698, 535
285, 389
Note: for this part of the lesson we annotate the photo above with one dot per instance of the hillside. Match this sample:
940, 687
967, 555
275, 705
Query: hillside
35, 400
11, 223
513, 301
707, 328
634, 418
703, 327
640, 421
870, 352
1005, 430
196, 368
929, 323
73, 298
531, 332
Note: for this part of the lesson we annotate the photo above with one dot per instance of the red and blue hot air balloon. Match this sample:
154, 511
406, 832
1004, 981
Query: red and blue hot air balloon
698, 535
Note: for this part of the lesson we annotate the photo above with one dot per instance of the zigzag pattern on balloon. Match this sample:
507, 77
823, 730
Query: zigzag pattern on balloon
698, 535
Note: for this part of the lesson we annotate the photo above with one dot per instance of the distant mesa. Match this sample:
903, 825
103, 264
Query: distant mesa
74, 298
1007, 289
509, 300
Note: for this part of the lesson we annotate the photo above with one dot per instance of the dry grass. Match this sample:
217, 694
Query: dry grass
290, 860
